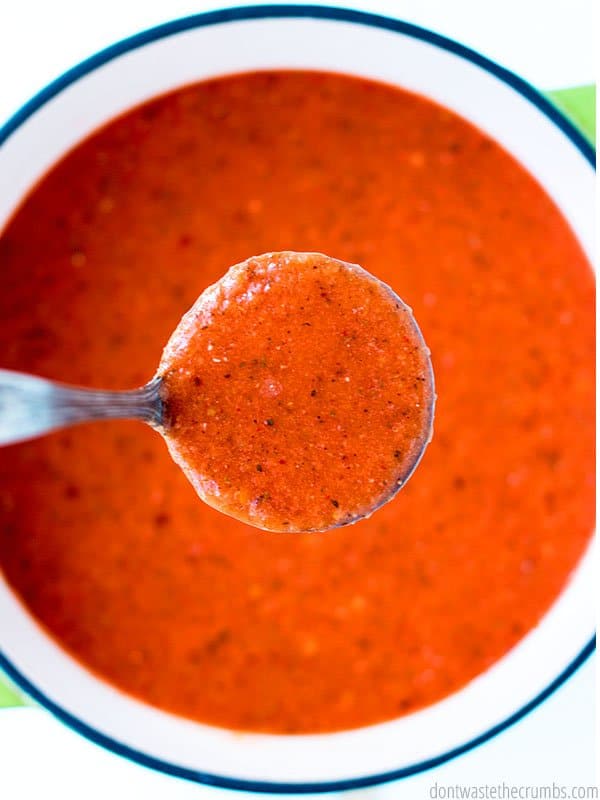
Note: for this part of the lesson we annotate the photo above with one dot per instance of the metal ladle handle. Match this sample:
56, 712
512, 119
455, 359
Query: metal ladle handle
32, 406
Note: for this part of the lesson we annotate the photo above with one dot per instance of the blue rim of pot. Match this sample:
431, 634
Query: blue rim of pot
236, 14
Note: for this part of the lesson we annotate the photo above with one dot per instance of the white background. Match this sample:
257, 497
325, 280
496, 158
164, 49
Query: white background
548, 42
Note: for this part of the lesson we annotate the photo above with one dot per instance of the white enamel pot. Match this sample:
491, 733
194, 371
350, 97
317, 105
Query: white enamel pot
499, 103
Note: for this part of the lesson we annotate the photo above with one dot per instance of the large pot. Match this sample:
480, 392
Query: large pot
496, 101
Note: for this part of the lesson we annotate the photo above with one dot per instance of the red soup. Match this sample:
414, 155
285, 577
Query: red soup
102, 536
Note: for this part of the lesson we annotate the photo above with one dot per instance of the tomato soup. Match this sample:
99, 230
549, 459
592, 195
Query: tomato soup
298, 392
102, 536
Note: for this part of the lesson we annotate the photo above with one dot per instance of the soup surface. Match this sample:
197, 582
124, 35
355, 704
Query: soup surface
102, 536
262, 382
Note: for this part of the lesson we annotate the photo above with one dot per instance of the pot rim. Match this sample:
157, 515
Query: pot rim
258, 12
